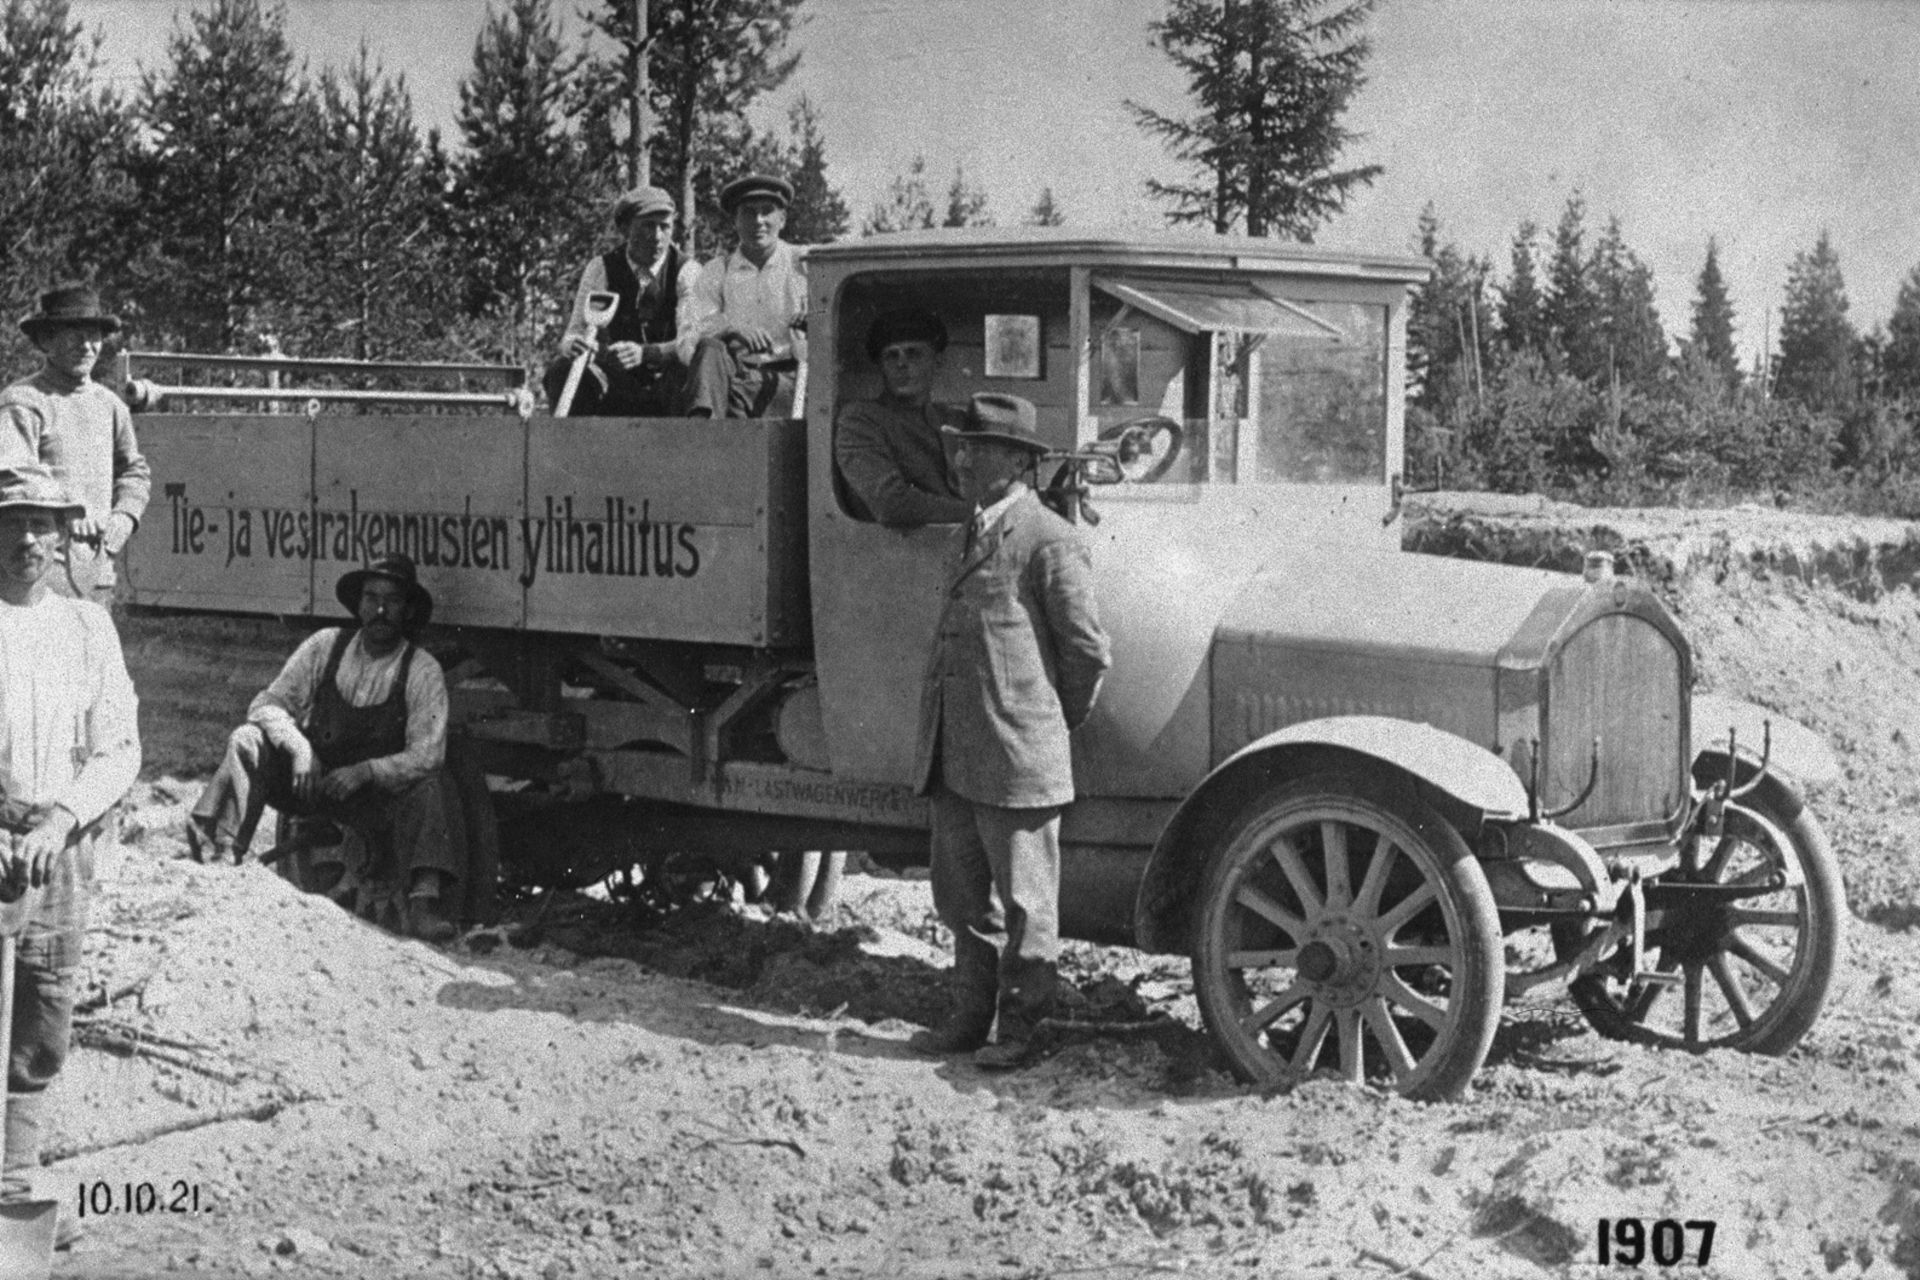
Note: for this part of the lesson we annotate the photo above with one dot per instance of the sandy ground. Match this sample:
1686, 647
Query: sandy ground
727, 1093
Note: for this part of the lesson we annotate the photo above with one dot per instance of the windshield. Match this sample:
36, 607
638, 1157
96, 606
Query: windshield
1267, 387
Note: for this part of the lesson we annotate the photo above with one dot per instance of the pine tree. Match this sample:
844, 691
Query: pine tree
1523, 322
526, 207
1045, 212
378, 281
1711, 336
1900, 361
1629, 324
63, 145
1272, 79
711, 60
907, 207
231, 122
1817, 340
966, 202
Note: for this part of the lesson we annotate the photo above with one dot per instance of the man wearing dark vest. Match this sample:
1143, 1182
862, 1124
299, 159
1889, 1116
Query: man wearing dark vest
638, 362
352, 730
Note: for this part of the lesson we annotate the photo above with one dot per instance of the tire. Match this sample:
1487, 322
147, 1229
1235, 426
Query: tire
1753, 975
1382, 962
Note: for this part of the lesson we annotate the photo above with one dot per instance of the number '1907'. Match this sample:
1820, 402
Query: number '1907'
1628, 1242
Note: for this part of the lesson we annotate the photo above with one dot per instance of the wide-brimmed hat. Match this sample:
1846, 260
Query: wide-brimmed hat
68, 304
641, 202
778, 190
905, 324
32, 485
394, 568
1001, 419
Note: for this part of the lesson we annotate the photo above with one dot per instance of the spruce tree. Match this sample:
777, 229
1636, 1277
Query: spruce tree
818, 213
966, 202
1571, 310
1450, 323
1523, 322
1817, 340
1633, 341
1711, 336
1045, 212
1272, 80
1900, 361
907, 206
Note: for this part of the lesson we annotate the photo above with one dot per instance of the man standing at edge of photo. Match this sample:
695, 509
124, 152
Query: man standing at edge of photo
63, 420
69, 750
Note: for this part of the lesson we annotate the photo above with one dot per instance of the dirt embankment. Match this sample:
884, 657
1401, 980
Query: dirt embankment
729, 1095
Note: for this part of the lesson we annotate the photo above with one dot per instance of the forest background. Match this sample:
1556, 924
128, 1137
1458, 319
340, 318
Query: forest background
232, 201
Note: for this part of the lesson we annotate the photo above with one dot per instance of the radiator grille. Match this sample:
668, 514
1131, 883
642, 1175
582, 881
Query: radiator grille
1619, 679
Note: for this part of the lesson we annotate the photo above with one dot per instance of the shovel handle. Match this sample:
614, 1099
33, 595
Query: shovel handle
565, 405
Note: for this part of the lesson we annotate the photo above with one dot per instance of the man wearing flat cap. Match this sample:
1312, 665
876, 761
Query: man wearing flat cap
69, 750
63, 420
890, 451
1016, 665
750, 308
638, 362
353, 730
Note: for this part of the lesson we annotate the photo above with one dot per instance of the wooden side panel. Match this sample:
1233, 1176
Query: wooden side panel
224, 530
447, 491
666, 529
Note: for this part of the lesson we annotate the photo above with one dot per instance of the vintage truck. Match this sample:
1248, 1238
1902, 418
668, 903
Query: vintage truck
1342, 778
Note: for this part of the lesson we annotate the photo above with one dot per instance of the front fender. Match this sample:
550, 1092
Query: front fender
1798, 753
1468, 774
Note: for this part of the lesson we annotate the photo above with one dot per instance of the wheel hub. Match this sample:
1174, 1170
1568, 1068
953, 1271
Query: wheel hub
1340, 959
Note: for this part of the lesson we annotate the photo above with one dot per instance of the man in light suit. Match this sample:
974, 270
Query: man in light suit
1016, 666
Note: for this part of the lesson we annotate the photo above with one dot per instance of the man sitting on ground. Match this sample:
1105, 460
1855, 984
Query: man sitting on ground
750, 308
639, 363
890, 450
353, 730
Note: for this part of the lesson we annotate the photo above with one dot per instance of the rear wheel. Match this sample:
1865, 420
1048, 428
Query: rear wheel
1747, 972
1344, 929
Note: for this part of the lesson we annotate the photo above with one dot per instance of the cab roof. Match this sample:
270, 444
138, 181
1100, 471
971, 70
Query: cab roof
1095, 247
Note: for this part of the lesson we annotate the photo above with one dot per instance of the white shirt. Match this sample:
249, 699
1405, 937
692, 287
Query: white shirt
773, 296
68, 715
362, 680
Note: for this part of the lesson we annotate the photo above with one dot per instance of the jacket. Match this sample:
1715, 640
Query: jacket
1016, 664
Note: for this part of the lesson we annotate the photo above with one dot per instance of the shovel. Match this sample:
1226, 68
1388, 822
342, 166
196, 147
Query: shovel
599, 312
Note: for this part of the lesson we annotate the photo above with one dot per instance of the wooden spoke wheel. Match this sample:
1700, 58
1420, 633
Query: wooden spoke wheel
1345, 929
1747, 970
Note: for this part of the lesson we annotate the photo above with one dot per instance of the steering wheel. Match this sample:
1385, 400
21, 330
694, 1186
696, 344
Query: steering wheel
1145, 447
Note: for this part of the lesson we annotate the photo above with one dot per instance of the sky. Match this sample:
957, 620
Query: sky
1756, 122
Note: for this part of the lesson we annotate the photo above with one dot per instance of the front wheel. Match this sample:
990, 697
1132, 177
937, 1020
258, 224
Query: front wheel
1344, 928
1747, 971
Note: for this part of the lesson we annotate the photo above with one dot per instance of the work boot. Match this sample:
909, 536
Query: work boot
425, 922
1025, 1001
1004, 1054
962, 1031
974, 982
